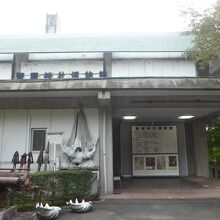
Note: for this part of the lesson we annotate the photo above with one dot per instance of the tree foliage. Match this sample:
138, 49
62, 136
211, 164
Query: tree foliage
205, 27
214, 142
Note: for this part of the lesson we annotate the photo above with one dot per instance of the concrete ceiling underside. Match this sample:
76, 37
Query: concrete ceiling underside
148, 98
166, 108
149, 108
166, 114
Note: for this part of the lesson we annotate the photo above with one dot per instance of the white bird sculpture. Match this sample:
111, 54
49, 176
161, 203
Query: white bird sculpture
47, 212
80, 207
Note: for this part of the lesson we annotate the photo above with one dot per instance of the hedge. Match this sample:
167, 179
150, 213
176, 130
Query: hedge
56, 187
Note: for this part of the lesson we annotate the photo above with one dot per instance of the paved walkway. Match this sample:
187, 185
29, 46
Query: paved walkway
168, 188
156, 199
205, 209
150, 210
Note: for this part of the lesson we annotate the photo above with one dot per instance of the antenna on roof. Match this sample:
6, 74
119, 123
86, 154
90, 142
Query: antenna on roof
52, 23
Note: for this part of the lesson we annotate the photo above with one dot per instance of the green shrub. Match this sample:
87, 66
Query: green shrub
214, 142
55, 187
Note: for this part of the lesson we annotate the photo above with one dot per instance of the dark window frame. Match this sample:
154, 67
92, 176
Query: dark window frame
43, 143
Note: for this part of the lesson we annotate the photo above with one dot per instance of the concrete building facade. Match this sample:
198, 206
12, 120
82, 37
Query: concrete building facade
147, 76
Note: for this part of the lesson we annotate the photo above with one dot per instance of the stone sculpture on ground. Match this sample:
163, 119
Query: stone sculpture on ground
23, 160
30, 160
46, 160
47, 212
80, 207
15, 159
40, 160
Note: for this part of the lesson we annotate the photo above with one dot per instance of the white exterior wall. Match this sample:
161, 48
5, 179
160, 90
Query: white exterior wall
64, 56
13, 133
5, 71
62, 65
120, 68
147, 55
16, 125
2, 118
153, 68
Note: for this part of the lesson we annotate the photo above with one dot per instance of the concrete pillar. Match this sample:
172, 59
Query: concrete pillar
200, 148
107, 64
126, 149
116, 147
190, 149
104, 98
181, 143
18, 58
106, 150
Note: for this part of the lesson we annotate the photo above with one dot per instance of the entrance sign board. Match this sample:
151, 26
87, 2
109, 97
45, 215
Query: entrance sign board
154, 139
154, 151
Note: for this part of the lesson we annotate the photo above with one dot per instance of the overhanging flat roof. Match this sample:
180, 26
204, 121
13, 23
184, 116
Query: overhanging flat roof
132, 83
149, 98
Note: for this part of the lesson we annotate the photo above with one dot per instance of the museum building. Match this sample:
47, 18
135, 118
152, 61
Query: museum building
139, 105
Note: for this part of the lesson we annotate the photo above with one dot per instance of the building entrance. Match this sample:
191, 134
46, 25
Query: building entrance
145, 150
154, 151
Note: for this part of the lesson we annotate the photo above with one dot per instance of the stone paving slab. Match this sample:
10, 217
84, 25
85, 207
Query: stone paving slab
155, 199
197, 209
24, 216
168, 188
149, 210
8, 213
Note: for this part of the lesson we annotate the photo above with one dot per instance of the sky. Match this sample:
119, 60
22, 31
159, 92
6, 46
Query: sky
97, 16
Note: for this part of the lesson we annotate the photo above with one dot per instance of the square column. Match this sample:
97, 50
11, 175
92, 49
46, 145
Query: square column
106, 150
107, 64
18, 58
190, 149
200, 148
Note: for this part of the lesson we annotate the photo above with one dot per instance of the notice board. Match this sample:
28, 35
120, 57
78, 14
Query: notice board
154, 151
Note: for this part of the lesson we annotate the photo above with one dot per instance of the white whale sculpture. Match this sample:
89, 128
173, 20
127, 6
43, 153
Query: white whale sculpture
47, 212
80, 207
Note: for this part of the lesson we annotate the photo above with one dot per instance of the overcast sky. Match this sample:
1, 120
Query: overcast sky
96, 16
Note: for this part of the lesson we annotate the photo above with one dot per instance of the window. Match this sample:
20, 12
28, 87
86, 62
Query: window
38, 139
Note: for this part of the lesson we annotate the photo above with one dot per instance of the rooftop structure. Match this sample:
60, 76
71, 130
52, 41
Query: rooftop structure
95, 43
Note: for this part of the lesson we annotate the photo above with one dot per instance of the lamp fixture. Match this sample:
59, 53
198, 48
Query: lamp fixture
129, 117
186, 117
